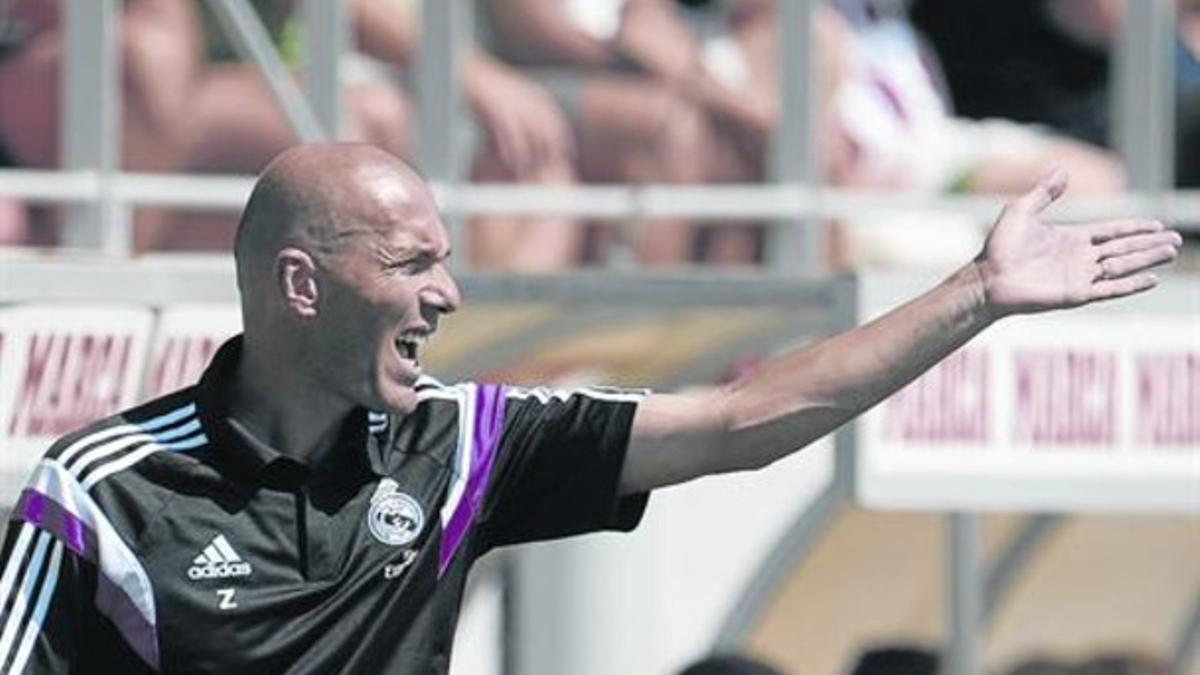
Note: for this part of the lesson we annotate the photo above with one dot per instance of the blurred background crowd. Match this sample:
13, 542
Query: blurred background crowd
935, 96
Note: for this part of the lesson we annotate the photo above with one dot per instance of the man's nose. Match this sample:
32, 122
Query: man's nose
443, 293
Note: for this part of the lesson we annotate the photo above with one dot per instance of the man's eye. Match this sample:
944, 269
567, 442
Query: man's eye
413, 266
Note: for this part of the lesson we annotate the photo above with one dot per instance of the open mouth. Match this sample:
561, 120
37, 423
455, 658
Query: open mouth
409, 345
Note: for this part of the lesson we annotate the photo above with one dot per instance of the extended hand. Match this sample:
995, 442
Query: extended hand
1028, 265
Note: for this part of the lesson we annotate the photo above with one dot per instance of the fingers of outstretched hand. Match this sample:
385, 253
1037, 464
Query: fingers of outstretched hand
1116, 288
1130, 243
1138, 261
1048, 188
1112, 229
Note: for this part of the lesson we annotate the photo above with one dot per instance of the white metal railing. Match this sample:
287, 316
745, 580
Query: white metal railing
764, 201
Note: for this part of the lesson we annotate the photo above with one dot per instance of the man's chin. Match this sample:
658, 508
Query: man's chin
398, 400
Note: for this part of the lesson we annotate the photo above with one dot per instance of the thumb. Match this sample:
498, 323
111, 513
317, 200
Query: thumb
1049, 187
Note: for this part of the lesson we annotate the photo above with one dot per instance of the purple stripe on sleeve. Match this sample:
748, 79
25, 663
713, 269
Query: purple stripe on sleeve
489, 420
41, 510
141, 635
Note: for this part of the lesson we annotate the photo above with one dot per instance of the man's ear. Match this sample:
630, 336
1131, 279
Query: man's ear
296, 277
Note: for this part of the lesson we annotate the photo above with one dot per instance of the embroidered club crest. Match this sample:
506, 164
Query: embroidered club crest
394, 518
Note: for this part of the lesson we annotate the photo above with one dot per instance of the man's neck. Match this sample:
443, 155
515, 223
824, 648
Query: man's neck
290, 416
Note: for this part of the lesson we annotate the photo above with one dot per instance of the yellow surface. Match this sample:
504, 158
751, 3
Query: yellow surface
1097, 583
473, 329
639, 350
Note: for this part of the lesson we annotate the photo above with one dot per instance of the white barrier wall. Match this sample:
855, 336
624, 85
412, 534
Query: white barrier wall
650, 601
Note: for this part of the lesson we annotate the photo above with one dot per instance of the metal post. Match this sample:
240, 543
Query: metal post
965, 598
1143, 77
326, 35
801, 538
797, 245
1013, 559
89, 117
445, 39
1187, 645
253, 43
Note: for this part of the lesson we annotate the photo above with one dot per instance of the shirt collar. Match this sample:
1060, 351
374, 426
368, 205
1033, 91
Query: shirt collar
251, 459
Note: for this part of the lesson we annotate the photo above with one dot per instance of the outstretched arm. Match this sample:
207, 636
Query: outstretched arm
1026, 266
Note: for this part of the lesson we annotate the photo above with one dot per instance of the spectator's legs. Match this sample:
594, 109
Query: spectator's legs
379, 114
534, 245
239, 128
159, 58
159, 61
633, 129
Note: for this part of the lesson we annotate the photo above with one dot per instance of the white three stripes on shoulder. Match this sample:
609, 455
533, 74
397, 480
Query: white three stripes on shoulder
121, 429
176, 430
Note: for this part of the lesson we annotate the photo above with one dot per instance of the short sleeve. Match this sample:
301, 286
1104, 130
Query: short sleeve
558, 465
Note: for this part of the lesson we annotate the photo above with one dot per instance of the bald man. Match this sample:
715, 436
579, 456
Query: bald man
313, 504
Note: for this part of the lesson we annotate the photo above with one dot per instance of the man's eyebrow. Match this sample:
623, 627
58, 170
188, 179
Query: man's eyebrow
391, 254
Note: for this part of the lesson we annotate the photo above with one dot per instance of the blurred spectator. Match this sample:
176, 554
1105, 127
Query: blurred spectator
527, 140
889, 126
902, 132
897, 660
190, 106
1014, 59
730, 664
158, 61
701, 103
1187, 111
1047, 62
662, 95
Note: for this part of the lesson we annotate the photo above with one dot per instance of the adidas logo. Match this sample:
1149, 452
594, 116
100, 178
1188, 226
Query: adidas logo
218, 561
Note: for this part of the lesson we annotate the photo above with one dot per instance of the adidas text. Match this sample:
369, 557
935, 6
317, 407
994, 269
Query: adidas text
221, 570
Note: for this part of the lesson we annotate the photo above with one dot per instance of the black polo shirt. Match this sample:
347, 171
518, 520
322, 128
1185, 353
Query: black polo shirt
168, 539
